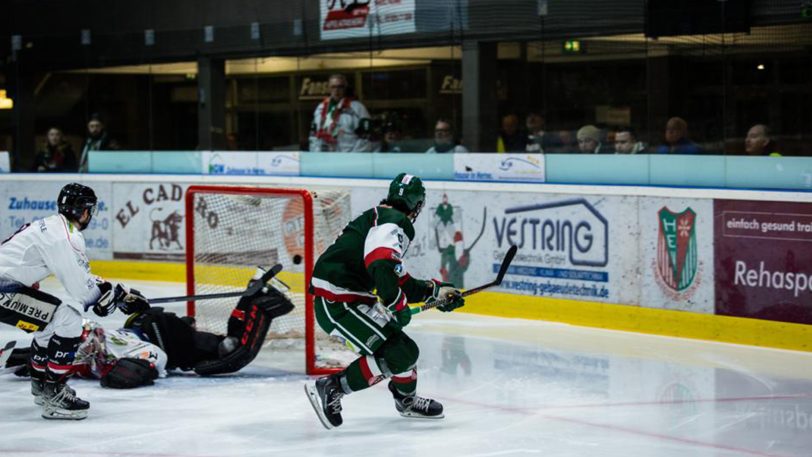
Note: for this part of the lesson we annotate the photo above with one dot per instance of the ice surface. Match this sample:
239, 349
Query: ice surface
509, 387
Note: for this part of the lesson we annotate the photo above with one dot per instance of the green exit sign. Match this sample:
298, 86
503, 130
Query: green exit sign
806, 10
573, 47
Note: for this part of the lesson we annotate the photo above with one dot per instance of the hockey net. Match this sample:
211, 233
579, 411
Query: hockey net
232, 230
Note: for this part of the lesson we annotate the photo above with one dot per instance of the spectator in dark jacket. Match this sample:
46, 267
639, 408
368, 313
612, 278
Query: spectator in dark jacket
56, 154
511, 138
97, 140
537, 138
676, 138
759, 143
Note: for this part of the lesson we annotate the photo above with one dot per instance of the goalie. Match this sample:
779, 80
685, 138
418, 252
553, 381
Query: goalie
153, 341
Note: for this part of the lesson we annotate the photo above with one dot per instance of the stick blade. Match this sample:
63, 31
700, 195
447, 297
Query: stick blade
255, 286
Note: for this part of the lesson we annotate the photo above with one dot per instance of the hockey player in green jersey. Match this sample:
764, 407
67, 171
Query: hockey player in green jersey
362, 292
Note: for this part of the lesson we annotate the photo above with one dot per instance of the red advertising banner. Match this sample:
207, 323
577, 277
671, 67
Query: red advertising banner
763, 260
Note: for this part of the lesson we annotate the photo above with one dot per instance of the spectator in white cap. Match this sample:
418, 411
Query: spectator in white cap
589, 140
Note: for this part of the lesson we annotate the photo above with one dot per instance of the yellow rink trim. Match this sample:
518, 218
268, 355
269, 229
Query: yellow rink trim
589, 314
683, 324
176, 272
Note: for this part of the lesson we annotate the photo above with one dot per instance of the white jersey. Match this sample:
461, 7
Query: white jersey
334, 131
102, 348
50, 246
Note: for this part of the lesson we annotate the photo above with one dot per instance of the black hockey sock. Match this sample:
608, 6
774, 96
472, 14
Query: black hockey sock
38, 360
61, 352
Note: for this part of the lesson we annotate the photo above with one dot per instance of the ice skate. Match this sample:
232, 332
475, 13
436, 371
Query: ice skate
60, 402
325, 396
37, 386
416, 407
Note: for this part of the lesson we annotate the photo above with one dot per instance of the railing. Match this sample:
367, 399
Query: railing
647, 170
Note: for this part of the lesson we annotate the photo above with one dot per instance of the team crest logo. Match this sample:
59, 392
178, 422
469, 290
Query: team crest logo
677, 258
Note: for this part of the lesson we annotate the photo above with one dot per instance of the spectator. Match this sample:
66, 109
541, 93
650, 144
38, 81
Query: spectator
340, 123
564, 142
589, 140
511, 139
391, 136
232, 142
759, 143
676, 139
444, 139
536, 139
97, 140
626, 142
56, 154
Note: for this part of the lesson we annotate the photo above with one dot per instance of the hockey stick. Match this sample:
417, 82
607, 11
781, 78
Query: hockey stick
252, 289
5, 354
499, 276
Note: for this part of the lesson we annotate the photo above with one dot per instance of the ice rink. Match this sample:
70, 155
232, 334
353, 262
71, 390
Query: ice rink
509, 387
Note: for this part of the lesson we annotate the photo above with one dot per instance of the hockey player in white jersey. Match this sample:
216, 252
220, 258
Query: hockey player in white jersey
55, 245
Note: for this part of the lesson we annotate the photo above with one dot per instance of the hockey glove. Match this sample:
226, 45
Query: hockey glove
130, 301
106, 302
446, 292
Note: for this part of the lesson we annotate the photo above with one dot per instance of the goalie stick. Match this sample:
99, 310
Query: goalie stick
252, 289
499, 276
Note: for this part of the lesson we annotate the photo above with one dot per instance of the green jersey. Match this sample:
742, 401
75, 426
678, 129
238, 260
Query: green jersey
367, 260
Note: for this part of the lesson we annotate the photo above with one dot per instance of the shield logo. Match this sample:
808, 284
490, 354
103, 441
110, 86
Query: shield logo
677, 248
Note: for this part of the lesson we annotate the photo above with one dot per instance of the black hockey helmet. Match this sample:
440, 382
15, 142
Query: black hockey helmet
406, 193
74, 199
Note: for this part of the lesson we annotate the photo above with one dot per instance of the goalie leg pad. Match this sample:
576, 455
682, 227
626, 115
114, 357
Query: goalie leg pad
248, 325
130, 373
255, 326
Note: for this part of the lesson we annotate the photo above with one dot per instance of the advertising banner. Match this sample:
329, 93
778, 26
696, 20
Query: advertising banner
341, 19
149, 221
5, 163
250, 163
676, 247
582, 247
763, 261
27, 201
499, 167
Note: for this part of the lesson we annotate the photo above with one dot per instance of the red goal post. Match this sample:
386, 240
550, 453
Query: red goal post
230, 230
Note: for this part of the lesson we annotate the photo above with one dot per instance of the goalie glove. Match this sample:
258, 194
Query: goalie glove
447, 293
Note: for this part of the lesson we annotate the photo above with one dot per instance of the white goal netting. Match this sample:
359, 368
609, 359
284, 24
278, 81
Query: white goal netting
233, 230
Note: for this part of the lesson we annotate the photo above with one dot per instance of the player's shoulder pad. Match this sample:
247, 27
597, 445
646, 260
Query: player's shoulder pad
387, 215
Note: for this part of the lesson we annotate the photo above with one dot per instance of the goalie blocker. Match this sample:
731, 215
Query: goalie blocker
206, 353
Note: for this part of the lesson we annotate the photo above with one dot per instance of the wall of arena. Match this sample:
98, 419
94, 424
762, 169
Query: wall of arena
724, 265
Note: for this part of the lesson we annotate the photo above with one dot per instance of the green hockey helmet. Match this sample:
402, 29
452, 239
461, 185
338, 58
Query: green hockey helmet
406, 192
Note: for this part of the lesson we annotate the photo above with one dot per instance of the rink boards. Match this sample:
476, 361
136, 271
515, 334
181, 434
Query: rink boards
723, 265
